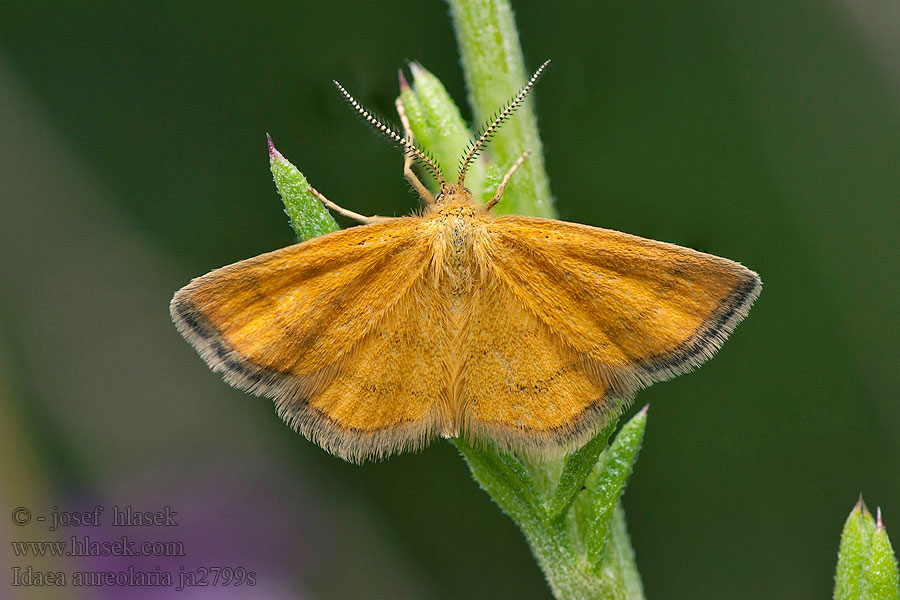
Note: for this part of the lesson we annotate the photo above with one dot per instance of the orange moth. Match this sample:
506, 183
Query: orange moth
524, 333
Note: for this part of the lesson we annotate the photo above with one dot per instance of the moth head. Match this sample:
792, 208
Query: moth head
453, 193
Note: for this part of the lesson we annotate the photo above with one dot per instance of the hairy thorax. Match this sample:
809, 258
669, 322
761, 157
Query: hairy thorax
457, 227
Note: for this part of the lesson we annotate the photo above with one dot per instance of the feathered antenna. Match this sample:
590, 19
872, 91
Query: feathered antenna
488, 131
408, 146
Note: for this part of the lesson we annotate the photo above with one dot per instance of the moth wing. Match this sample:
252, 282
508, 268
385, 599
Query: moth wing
521, 386
329, 329
602, 314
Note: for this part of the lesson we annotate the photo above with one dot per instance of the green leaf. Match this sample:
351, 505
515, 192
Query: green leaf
308, 216
577, 467
882, 580
853, 555
612, 474
505, 479
619, 562
867, 566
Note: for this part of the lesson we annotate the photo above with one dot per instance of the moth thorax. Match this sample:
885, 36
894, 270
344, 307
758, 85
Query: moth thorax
459, 253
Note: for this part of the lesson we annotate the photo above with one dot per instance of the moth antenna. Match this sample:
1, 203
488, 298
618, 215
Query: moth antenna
488, 131
408, 146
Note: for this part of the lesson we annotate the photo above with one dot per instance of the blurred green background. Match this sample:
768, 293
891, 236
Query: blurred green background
133, 157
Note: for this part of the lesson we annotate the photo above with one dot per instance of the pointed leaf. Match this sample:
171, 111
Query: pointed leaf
506, 480
577, 467
308, 216
449, 135
882, 581
854, 553
613, 474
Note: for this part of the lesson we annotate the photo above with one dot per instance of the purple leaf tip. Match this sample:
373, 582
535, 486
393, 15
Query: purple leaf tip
644, 410
879, 524
403, 84
273, 152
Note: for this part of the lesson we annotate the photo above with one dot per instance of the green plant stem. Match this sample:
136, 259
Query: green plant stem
495, 71
570, 511
568, 508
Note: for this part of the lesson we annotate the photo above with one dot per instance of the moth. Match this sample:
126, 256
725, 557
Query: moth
524, 333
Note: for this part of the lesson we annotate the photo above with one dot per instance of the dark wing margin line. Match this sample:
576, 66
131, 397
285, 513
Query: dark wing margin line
623, 385
551, 443
711, 334
209, 342
291, 400
694, 350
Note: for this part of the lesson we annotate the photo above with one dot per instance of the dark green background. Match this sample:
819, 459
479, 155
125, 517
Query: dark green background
132, 156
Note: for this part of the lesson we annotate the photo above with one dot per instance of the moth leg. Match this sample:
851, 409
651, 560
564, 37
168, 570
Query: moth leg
493, 201
343, 211
423, 191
